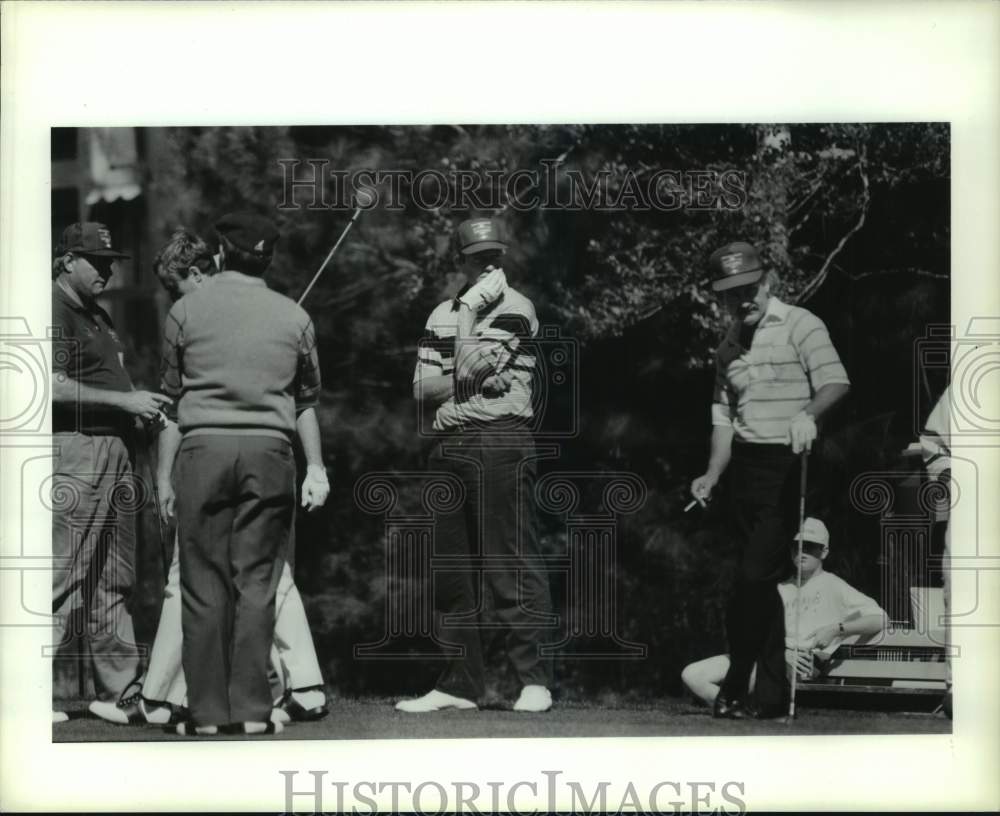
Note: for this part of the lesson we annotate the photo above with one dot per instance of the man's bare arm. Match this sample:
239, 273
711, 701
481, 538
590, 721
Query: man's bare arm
720, 452
167, 443
824, 399
315, 486
866, 624
861, 625
307, 427
435, 389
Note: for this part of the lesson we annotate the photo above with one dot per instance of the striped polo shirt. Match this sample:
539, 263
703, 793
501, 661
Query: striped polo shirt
503, 331
759, 389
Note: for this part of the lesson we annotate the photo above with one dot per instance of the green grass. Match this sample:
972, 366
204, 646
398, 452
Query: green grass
372, 718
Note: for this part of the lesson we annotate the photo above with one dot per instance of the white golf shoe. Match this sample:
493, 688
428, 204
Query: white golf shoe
132, 711
435, 701
59, 716
534, 698
156, 714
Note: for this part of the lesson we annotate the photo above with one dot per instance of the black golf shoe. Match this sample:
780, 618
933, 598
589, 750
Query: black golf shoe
297, 712
726, 709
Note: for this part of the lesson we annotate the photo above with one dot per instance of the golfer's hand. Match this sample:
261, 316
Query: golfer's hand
701, 488
165, 492
801, 432
805, 665
484, 291
144, 404
315, 488
498, 384
824, 636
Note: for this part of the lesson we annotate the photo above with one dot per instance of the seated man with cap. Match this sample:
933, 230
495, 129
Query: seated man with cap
829, 611
241, 362
94, 414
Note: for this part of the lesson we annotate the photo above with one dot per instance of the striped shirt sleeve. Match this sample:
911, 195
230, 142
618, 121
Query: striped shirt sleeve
722, 399
431, 350
307, 376
172, 358
819, 357
507, 339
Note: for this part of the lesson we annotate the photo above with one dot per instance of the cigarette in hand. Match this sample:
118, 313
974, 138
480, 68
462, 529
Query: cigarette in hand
693, 502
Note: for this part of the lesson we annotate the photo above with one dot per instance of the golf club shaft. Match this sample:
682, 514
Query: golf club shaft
336, 246
804, 463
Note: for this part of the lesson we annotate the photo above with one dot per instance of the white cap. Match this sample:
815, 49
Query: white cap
815, 531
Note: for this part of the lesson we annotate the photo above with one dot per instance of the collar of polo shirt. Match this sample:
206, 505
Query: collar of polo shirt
775, 312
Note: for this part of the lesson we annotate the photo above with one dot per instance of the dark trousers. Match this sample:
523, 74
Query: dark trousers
94, 502
764, 482
495, 523
235, 503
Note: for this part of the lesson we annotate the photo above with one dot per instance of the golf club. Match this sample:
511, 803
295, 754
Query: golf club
365, 198
798, 577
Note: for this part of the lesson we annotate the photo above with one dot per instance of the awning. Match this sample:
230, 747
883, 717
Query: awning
114, 165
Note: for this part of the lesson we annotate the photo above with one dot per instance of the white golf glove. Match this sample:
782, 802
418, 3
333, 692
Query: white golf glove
801, 432
484, 291
315, 487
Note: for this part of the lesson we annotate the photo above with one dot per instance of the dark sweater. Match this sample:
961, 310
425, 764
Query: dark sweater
240, 358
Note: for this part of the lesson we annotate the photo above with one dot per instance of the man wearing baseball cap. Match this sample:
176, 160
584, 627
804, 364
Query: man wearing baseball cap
94, 413
241, 361
474, 372
828, 610
777, 375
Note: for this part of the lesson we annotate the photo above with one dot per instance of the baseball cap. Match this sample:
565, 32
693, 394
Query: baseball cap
249, 232
736, 264
477, 234
88, 238
814, 530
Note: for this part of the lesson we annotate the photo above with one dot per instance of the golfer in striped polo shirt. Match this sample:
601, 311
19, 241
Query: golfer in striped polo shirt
777, 374
474, 373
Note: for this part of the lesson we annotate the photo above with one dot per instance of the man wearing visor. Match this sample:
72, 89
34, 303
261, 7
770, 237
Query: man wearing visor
777, 375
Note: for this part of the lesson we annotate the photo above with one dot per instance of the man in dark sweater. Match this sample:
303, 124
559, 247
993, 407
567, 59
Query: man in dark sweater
241, 361
94, 410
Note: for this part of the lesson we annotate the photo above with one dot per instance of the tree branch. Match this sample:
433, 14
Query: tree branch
817, 281
920, 273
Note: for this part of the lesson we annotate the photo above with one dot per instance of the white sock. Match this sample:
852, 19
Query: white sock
309, 699
155, 714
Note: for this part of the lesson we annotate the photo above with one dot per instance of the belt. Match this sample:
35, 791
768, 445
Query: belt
762, 450
504, 424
